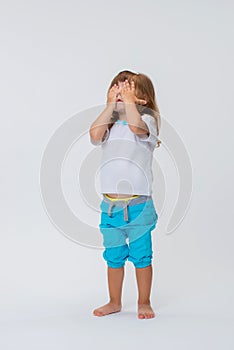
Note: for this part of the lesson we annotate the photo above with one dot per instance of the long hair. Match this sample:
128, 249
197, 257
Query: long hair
144, 89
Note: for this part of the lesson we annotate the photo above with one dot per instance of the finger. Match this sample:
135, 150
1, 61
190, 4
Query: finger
127, 86
113, 87
132, 86
126, 83
141, 102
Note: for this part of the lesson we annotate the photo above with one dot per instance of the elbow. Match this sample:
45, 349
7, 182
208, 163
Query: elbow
134, 129
94, 137
138, 131
93, 133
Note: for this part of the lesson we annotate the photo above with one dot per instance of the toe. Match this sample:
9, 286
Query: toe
97, 313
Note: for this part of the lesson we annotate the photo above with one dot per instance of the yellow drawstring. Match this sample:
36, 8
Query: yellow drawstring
122, 199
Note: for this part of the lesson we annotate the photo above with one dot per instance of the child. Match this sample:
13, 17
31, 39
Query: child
128, 131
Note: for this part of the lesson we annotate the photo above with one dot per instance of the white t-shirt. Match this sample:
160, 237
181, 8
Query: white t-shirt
126, 163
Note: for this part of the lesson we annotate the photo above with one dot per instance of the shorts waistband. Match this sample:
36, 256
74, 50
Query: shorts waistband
125, 202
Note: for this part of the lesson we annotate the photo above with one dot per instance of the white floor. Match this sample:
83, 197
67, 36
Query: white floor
186, 318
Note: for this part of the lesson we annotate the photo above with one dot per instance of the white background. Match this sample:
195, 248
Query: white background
58, 58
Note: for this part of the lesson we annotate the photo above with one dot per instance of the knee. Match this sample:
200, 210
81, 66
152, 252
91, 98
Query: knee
116, 256
140, 251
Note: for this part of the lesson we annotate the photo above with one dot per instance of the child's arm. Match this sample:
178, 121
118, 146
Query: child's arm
135, 121
99, 127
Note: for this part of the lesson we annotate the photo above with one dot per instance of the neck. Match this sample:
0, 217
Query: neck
122, 115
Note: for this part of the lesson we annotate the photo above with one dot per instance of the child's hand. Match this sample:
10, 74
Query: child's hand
128, 94
111, 97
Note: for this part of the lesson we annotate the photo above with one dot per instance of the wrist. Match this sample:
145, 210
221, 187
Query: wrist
129, 101
110, 107
129, 104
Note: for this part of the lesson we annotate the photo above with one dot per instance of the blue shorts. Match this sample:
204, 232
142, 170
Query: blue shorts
132, 219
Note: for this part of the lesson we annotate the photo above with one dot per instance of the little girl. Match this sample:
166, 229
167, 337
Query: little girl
128, 130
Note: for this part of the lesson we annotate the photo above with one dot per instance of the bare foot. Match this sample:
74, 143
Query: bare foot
106, 309
145, 311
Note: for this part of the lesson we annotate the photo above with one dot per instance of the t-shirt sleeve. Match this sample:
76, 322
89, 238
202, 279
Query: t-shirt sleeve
151, 124
104, 139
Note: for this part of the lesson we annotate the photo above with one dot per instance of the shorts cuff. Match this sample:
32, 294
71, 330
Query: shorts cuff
142, 264
115, 266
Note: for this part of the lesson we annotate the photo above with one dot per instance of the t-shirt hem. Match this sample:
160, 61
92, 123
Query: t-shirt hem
135, 193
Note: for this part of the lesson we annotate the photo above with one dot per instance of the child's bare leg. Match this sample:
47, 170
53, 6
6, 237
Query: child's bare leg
115, 282
144, 281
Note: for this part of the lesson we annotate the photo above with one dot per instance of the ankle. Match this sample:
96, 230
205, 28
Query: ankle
115, 302
143, 302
